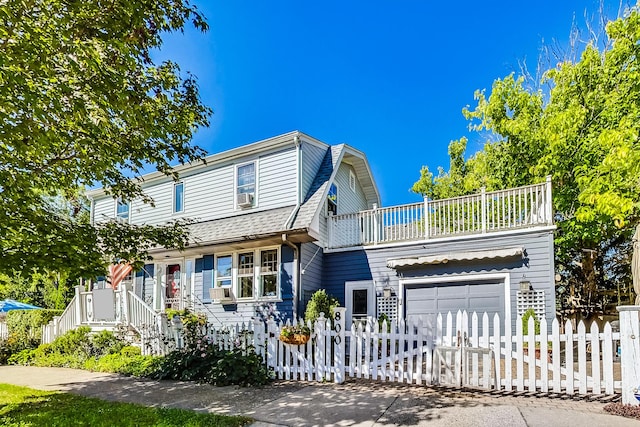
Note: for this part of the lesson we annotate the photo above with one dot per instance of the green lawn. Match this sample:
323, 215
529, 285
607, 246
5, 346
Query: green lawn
21, 406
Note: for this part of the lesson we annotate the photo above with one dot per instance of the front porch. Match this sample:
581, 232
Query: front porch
486, 212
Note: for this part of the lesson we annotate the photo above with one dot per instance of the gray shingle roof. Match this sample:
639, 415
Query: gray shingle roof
250, 225
314, 198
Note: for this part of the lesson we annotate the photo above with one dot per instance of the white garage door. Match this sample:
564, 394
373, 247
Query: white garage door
433, 298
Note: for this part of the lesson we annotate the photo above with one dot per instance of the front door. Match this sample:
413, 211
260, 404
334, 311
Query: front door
173, 288
359, 301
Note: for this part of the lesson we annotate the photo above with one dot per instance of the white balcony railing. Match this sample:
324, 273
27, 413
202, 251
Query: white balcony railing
486, 212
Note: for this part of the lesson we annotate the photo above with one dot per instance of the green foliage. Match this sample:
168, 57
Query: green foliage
320, 302
583, 130
241, 367
40, 288
87, 105
288, 331
529, 313
201, 361
25, 326
21, 406
128, 361
71, 350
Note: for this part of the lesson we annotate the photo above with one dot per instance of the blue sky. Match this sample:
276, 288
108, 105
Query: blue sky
389, 78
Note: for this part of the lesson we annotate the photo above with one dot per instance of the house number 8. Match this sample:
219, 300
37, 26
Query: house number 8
337, 316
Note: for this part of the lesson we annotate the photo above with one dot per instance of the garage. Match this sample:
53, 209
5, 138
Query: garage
430, 298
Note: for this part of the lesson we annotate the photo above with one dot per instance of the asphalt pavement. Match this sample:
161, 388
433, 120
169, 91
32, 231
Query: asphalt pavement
354, 403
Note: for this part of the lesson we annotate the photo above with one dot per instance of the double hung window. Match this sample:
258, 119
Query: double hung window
178, 197
251, 274
122, 210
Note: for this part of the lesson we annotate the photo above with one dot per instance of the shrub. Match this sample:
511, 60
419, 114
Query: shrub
200, 360
525, 322
320, 302
241, 367
128, 361
71, 350
27, 324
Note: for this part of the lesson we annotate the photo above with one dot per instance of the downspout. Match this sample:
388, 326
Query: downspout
289, 222
296, 272
92, 211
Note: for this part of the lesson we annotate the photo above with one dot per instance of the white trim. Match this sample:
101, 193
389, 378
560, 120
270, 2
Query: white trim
117, 201
349, 287
337, 198
257, 260
352, 179
160, 283
540, 229
264, 146
256, 165
173, 198
505, 277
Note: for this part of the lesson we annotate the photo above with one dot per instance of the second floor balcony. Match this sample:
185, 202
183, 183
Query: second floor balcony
485, 212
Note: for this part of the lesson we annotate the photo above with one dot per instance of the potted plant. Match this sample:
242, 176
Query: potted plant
295, 334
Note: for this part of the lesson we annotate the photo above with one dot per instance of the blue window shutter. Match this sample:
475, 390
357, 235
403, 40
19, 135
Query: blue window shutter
207, 275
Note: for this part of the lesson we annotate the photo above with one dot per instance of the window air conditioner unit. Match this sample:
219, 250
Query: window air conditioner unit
245, 199
222, 295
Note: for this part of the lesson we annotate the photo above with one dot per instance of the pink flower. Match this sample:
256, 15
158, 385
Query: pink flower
204, 354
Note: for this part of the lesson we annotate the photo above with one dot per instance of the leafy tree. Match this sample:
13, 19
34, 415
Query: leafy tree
84, 104
584, 132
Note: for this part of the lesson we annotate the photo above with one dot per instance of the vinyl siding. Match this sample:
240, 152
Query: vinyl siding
277, 180
371, 264
209, 193
311, 263
312, 157
349, 201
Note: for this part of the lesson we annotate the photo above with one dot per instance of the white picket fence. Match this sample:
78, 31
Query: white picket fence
4, 331
456, 350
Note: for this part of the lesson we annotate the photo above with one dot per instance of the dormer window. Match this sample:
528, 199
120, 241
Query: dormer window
332, 200
122, 210
245, 185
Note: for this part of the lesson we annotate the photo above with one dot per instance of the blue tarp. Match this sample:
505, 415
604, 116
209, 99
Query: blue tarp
10, 304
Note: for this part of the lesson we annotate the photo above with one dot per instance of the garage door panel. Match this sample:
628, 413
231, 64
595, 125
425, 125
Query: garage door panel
444, 297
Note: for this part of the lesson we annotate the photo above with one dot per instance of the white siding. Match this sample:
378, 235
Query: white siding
349, 201
104, 209
209, 192
312, 157
277, 180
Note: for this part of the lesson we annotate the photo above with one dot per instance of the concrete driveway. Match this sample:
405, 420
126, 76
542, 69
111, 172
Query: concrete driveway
355, 403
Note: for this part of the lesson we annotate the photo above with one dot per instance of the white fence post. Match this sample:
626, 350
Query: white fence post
78, 307
339, 344
630, 353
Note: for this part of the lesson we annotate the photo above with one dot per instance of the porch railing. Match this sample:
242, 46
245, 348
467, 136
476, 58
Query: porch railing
485, 212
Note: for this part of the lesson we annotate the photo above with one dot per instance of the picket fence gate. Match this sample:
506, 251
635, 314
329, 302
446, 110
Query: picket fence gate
453, 350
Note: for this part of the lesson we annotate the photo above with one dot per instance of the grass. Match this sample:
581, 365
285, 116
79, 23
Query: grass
22, 407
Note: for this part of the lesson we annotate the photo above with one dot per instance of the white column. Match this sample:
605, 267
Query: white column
630, 353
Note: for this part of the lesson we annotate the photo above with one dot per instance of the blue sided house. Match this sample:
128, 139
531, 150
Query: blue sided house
278, 219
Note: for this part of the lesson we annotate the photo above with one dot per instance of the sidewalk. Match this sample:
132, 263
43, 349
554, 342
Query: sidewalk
355, 403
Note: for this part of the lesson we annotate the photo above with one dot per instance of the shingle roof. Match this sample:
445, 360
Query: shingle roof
250, 225
314, 197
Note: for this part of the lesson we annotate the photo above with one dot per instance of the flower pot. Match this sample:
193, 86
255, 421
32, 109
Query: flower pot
295, 339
